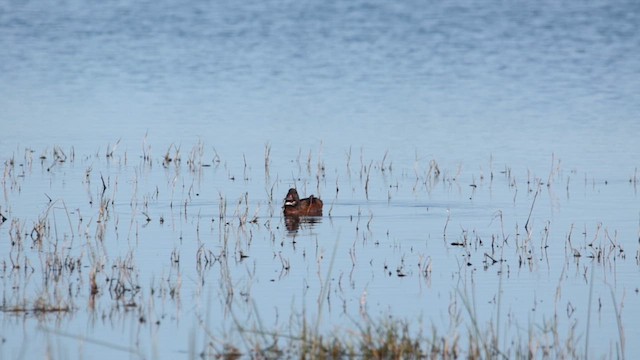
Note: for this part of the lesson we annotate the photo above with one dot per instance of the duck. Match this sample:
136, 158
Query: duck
294, 206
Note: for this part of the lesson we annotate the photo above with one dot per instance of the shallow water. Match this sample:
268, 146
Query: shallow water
357, 97
215, 253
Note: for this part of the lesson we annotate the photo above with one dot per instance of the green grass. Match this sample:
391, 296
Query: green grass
390, 338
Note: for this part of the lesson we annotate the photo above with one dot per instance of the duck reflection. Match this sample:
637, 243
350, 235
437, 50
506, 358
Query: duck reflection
294, 222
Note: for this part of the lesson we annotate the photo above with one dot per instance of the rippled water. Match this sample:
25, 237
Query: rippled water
358, 96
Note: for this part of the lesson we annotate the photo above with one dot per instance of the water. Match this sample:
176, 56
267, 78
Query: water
546, 91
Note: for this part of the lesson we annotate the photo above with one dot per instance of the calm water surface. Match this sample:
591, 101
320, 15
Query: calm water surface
357, 96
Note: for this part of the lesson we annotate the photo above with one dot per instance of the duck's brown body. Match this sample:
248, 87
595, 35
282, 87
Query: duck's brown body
294, 206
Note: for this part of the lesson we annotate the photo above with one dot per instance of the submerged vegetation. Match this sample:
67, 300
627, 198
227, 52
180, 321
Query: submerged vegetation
397, 268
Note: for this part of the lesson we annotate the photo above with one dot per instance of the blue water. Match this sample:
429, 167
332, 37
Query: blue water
451, 80
480, 88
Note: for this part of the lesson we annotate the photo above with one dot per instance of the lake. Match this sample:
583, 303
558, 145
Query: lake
477, 163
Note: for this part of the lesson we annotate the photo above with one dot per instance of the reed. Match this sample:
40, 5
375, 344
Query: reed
267, 161
70, 257
112, 149
620, 347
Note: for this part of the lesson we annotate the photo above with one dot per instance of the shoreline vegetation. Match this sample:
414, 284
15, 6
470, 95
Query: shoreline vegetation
79, 256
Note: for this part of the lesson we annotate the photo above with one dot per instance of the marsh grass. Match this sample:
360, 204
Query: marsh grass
391, 338
63, 255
